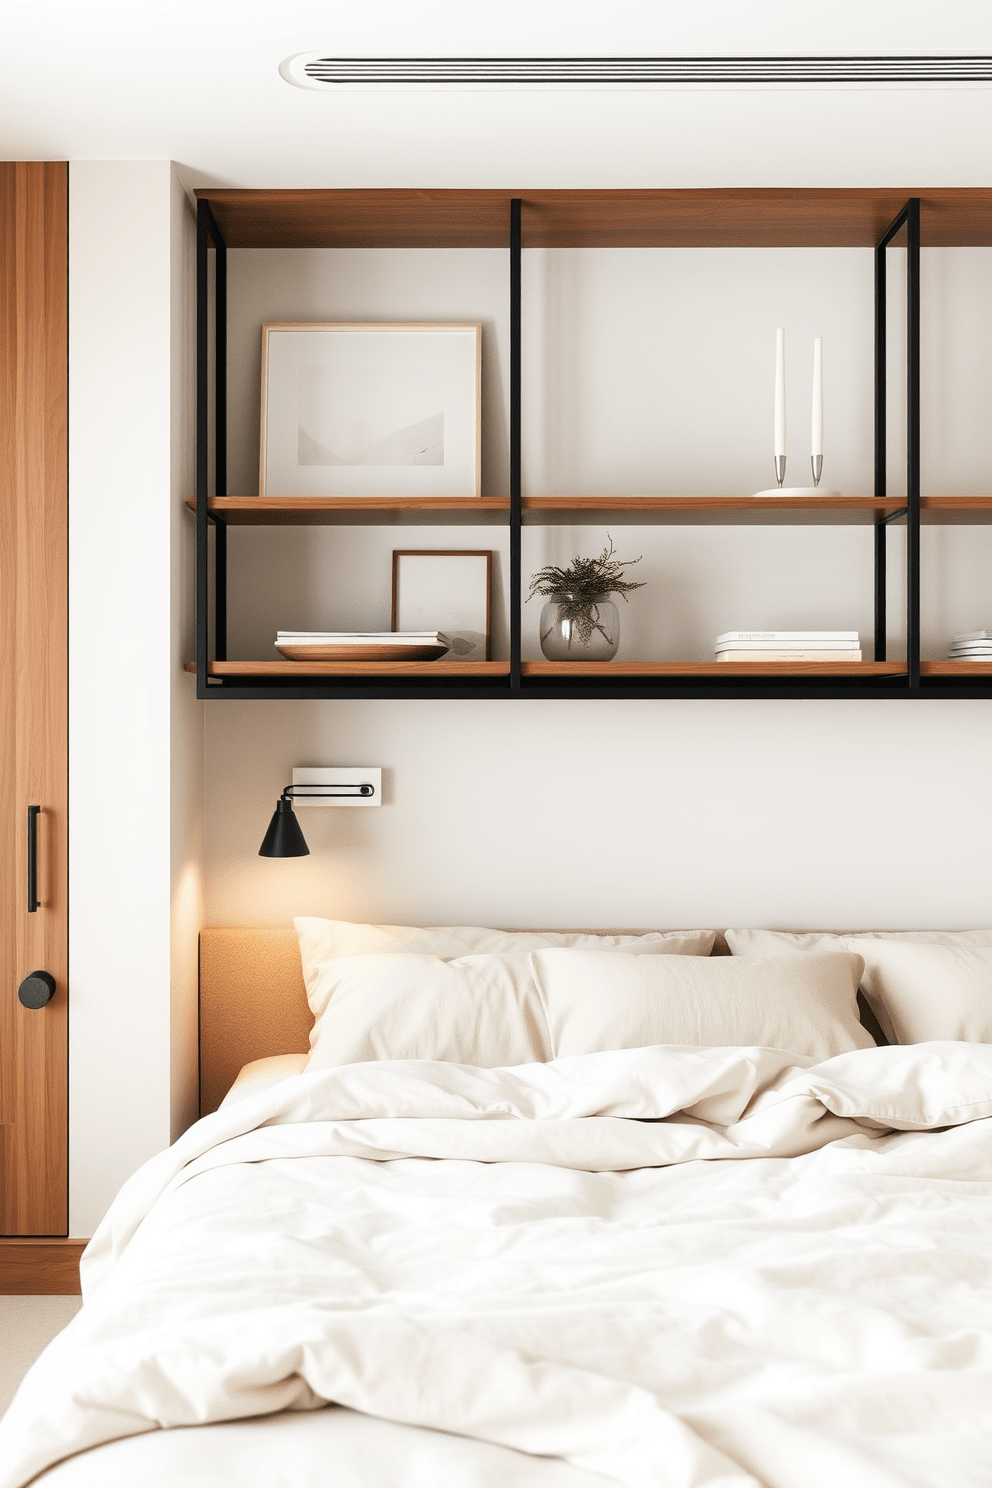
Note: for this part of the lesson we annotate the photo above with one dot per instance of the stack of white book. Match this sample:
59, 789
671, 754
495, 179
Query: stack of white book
971, 645
788, 645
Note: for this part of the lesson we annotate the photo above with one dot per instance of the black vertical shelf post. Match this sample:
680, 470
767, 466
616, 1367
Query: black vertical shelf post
909, 218
220, 438
202, 441
207, 231
515, 489
913, 440
880, 471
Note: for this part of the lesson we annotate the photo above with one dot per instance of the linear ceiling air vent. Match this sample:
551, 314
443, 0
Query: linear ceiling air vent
314, 70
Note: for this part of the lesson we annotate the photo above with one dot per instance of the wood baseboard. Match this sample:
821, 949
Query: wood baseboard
40, 1268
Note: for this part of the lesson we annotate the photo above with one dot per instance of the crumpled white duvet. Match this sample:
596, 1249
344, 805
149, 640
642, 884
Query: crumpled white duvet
560, 1259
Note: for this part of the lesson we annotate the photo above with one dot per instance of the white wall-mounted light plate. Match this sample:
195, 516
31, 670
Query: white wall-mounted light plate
350, 776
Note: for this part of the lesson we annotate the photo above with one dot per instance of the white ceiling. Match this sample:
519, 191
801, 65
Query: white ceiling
197, 81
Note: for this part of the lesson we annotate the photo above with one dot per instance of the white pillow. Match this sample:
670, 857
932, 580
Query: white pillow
805, 1004
481, 1010
953, 1008
263, 1073
323, 940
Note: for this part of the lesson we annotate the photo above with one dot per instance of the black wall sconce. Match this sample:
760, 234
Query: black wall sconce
284, 838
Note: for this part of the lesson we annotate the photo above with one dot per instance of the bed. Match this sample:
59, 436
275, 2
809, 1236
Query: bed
696, 1264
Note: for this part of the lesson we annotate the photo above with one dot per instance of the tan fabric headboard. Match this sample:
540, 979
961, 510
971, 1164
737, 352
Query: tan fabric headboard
253, 1002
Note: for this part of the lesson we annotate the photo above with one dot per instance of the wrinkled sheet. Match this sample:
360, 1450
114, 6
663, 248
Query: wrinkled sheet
690, 1268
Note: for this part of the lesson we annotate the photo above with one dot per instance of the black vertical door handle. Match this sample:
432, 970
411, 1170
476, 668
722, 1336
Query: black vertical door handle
33, 813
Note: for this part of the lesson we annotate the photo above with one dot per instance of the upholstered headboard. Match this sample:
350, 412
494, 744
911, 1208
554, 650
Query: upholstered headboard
253, 1002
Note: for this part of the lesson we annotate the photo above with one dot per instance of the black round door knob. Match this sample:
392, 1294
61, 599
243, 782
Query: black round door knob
37, 989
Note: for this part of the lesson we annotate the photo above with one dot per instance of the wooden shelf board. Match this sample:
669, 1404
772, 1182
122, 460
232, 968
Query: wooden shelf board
320, 511
301, 669
719, 218
950, 511
712, 510
956, 668
325, 511
712, 669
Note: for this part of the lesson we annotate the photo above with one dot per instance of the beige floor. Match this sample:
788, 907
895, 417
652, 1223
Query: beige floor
27, 1324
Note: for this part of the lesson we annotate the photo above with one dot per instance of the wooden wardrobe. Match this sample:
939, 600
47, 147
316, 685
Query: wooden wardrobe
33, 719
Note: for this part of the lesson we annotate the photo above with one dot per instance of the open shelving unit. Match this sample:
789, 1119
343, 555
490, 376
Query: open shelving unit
519, 220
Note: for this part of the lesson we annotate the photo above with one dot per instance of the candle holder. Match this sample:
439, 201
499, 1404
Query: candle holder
816, 461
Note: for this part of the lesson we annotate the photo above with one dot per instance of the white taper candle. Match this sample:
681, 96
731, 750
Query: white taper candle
817, 444
780, 391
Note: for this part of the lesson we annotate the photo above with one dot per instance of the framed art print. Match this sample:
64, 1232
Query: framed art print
446, 590
371, 410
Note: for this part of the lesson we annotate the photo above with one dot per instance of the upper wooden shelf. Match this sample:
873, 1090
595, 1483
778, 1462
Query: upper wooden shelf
713, 510
730, 218
325, 511
319, 511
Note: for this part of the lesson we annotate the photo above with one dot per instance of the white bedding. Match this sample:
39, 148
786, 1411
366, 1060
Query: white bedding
571, 1280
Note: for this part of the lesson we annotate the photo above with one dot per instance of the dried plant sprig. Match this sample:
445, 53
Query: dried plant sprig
585, 579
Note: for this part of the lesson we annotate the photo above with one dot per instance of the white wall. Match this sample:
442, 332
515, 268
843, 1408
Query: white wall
650, 814
186, 713
135, 738
643, 371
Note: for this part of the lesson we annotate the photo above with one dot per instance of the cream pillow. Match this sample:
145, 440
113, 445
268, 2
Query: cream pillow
890, 981
805, 1004
323, 940
262, 1074
481, 1010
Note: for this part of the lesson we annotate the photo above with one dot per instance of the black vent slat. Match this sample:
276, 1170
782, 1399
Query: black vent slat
332, 71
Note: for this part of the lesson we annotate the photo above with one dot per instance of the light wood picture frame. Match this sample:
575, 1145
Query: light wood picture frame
371, 409
447, 589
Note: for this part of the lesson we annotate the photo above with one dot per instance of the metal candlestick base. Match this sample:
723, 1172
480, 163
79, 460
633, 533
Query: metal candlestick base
780, 468
797, 491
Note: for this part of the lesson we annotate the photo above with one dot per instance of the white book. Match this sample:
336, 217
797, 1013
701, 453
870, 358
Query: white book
809, 655
826, 645
355, 638
355, 635
851, 636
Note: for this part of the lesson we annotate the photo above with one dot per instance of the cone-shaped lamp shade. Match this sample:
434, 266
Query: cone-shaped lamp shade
284, 839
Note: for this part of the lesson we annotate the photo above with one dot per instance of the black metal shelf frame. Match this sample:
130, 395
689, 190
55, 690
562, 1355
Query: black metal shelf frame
907, 684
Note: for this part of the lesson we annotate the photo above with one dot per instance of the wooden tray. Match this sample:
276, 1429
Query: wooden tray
361, 653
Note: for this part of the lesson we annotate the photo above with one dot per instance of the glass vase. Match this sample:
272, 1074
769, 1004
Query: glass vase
580, 629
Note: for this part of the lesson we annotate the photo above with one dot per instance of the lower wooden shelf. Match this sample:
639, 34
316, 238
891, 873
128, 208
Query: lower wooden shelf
956, 668
435, 673
713, 669
432, 669
436, 670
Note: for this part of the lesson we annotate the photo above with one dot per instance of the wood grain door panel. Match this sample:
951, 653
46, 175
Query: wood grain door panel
34, 691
